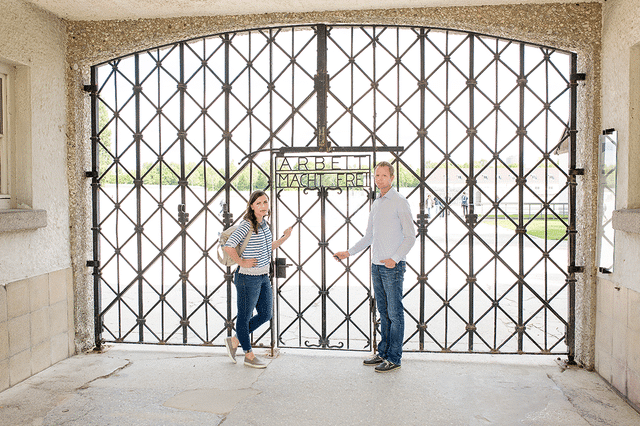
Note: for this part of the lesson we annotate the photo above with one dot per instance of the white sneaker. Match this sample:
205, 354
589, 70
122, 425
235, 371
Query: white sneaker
231, 351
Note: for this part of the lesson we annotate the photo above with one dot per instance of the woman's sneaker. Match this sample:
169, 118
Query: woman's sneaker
231, 351
255, 362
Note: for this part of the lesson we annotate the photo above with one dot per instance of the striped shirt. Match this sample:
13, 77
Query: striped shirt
259, 247
390, 231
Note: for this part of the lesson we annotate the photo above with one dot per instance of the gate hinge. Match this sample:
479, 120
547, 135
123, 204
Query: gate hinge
581, 76
183, 216
423, 223
576, 269
91, 174
608, 131
90, 88
576, 172
227, 217
93, 263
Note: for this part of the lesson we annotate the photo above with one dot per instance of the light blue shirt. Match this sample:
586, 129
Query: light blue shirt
390, 231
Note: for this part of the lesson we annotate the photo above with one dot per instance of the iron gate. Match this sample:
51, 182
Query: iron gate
182, 133
322, 304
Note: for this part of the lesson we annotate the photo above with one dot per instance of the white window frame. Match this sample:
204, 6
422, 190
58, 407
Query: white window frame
607, 193
7, 74
16, 186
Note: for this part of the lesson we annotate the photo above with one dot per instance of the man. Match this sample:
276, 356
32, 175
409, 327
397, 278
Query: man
465, 204
439, 208
391, 234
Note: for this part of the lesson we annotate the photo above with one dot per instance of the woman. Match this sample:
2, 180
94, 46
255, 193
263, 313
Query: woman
252, 276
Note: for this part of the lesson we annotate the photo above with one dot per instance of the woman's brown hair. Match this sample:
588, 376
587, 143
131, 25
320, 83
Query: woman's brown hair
249, 214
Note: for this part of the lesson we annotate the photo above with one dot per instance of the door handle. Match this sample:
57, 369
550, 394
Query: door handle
281, 267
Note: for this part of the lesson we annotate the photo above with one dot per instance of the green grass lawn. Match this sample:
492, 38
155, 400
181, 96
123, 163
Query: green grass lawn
555, 228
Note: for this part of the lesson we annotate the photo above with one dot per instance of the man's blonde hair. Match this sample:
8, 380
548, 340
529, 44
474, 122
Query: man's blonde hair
388, 166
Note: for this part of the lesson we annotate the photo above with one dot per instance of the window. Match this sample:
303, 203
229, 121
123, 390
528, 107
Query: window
633, 154
607, 199
16, 177
5, 82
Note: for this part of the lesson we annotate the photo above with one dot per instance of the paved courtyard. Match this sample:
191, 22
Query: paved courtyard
153, 385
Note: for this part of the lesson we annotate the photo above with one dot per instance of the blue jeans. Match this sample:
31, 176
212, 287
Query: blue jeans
254, 292
387, 287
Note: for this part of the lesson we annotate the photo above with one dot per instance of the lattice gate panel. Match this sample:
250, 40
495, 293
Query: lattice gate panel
481, 131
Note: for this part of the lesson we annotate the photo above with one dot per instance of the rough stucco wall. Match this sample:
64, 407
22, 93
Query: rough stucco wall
79, 161
36, 41
575, 27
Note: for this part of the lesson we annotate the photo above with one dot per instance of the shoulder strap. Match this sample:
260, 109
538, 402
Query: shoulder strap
246, 241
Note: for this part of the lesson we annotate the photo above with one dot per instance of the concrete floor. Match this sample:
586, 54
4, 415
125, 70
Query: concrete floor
151, 385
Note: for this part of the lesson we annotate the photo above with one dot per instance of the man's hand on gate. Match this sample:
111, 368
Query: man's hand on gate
341, 255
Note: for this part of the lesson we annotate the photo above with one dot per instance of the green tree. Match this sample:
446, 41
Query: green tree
151, 176
261, 180
214, 180
406, 178
105, 157
170, 175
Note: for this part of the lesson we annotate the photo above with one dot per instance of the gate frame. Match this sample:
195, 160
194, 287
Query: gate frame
573, 172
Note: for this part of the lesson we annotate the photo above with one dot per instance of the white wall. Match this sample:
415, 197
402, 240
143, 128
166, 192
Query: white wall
620, 110
618, 312
35, 41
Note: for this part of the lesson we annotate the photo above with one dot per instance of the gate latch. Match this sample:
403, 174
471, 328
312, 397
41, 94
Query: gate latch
281, 267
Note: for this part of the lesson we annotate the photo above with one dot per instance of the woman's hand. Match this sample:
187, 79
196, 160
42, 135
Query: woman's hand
248, 263
287, 232
285, 236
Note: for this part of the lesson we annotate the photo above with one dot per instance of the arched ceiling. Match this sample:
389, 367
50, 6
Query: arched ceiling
94, 10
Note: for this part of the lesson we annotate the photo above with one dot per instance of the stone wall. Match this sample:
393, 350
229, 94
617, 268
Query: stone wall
574, 27
36, 325
618, 338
